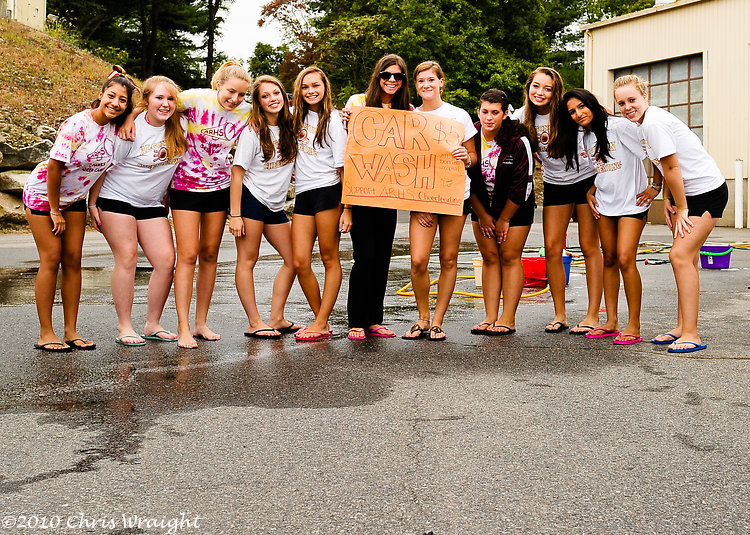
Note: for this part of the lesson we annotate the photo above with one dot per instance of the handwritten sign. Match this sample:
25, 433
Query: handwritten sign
402, 159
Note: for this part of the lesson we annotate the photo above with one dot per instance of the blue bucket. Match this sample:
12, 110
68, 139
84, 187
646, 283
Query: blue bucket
567, 259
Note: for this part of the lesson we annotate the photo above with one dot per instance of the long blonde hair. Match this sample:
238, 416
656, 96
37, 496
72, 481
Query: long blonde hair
301, 107
174, 135
531, 111
287, 134
230, 69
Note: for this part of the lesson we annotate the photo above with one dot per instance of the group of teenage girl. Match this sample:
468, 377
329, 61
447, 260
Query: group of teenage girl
138, 153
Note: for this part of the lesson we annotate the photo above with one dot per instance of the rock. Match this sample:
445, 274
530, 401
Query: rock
11, 209
25, 158
46, 132
13, 181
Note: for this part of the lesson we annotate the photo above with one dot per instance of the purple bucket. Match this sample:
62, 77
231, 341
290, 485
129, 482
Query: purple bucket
716, 256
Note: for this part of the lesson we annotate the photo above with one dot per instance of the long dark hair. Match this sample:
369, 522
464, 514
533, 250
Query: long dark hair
129, 88
510, 128
287, 135
374, 93
568, 134
530, 109
301, 107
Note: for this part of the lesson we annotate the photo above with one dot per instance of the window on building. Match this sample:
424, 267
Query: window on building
675, 85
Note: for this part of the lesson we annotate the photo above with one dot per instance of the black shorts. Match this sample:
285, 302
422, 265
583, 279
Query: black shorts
524, 216
120, 207
318, 200
713, 202
199, 201
252, 208
562, 194
642, 216
78, 206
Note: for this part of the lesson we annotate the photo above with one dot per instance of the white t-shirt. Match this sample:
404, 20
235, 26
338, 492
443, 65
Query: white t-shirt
141, 171
553, 169
317, 165
622, 177
267, 181
85, 148
663, 134
450, 111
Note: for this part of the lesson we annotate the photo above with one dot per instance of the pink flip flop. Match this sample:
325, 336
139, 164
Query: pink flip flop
381, 331
627, 339
601, 333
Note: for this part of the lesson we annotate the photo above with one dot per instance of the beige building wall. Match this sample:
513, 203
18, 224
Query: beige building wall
29, 12
719, 30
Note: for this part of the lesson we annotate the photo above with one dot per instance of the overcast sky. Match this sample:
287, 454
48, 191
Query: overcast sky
240, 31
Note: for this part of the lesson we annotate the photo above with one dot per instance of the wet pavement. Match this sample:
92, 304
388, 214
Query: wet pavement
530, 433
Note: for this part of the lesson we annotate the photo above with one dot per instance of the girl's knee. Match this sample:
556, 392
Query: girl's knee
610, 259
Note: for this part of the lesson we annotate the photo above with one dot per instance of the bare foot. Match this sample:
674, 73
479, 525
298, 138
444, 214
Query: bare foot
187, 341
204, 333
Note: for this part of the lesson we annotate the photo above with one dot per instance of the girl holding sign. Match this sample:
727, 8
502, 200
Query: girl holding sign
373, 229
564, 192
429, 80
502, 201
695, 195
261, 174
619, 200
321, 144
55, 199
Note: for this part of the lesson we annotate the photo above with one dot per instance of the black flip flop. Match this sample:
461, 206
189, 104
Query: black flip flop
557, 327
47, 347
255, 334
507, 331
291, 328
72, 343
588, 328
481, 331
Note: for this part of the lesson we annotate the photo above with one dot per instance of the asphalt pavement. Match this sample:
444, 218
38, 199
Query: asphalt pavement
529, 433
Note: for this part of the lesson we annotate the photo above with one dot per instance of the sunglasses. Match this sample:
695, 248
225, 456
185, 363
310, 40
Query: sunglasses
398, 76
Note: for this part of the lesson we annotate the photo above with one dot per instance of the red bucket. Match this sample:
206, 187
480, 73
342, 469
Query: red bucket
535, 271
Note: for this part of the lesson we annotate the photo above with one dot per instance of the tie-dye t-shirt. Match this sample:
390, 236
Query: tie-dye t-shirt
86, 150
212, 131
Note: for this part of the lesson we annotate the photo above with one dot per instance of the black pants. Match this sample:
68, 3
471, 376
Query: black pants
372, 235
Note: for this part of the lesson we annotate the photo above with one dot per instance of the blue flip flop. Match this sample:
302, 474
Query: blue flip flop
695, 347
155, 336
664, 342
122, 341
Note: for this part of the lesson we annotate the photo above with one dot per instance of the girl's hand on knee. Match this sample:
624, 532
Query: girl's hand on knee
682, 222
424, 219
669, 213
487, 225
501, 230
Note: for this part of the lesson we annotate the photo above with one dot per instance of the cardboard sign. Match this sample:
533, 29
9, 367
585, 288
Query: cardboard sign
402, 159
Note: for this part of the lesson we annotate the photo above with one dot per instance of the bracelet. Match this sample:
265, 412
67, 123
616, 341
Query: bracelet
92, 206
657, 187
230, 215
54, 213
347, 207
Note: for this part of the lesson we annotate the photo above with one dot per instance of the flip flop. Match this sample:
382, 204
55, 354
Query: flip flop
291, 328
122, 342
631, 339
48, 347
356, 334
556, 327
664, 342
256, 334
416, 329
695, 347
586, 329
155, 336
477, 330
72, 343
317, 336
435, 330
491, 330
603, 333
380, 331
